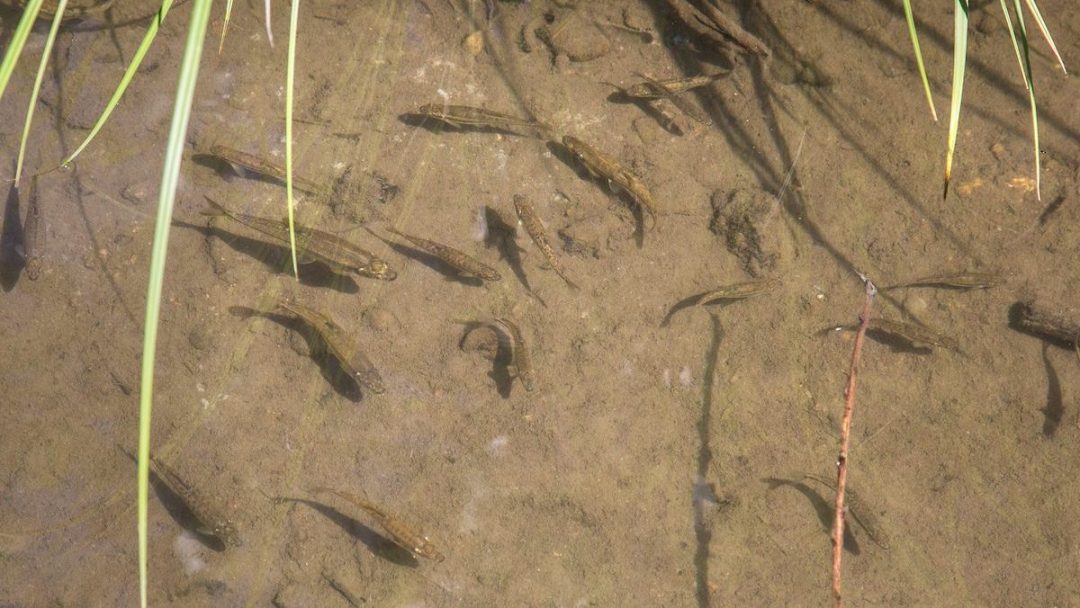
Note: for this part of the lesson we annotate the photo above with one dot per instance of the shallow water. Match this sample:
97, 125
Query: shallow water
654, 463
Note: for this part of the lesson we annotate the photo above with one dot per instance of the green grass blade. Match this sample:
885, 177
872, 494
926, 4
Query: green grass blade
960, 34
1015, 43
918, 57
170, 175
11, 56
225, 25
1025, 68
57, 18
136, 61
1019, 37
1034, 8
289, 73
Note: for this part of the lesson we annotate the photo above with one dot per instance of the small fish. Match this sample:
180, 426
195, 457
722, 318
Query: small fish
209, 518
313, 245
916, 335
859, 511
680, 102
605, 167
468, 116
531, 221
739, 291
72, 12
253, 163
459, 260
520, 362
341, 346
34, 235
961, 280
655, 89
402, 534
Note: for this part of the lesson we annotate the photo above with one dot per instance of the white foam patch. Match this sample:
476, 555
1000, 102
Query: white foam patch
189, 551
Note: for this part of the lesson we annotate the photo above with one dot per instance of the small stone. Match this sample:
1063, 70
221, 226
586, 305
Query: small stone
381, 319
136, 193
998, 150
474, 43
576, 38
201, 338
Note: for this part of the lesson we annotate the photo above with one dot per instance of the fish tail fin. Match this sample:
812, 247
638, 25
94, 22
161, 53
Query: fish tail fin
215, 210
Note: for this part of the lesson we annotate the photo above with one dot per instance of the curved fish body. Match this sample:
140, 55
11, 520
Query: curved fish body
530, 220
402, 534
520, 361
342, 346
739, 291
607, 168
313, 245
458, 259
253, 163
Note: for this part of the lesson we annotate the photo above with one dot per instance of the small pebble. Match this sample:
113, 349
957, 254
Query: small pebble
381, 319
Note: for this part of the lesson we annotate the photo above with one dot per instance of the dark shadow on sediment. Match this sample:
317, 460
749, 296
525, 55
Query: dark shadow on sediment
331, 369
277, 258
500, 359
376, 543
702, 533
11, 241
1055, 405
824, 510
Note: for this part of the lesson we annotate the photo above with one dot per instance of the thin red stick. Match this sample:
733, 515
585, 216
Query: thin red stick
845, 440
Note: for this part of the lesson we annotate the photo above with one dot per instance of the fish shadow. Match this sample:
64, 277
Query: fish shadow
561, 152
648, 107
230, 172
331, 369
502, 236
500, 365
378, 544
824, 510
11, 240
1055, 405
896, 343
278, 258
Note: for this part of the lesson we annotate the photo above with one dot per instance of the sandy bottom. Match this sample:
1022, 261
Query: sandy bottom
662, 458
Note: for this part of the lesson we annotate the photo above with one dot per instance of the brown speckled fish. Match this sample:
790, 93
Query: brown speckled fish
340, 344
459, 260
520, 361
33, 235
250, 162
607, 168
468, 116
313, 245
535, 227
402, 534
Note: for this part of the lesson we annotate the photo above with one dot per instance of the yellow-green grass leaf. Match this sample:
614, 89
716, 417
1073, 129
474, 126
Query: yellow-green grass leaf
136, 61
57, 18
1034, 8
225, 25
289, 74
1020, 40
960, 34
170, 175
22, 31
918, 57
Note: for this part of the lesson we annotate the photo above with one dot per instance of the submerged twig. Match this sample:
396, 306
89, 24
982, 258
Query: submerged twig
845, 441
